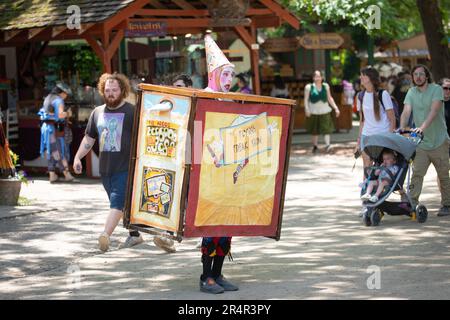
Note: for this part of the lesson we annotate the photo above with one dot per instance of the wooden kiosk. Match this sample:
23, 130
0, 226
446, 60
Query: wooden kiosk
208, 164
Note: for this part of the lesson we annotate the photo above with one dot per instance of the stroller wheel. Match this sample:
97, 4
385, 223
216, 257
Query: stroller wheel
375, 217
366, 217
422, 213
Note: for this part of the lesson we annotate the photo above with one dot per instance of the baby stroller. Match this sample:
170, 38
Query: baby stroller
404, 143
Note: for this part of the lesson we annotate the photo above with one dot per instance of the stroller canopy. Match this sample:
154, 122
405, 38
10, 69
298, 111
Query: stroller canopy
373, 145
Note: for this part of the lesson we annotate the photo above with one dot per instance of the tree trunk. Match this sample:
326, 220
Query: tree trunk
436, 40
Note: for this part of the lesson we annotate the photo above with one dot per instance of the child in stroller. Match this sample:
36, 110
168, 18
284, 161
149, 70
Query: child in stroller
383, 177
400, 146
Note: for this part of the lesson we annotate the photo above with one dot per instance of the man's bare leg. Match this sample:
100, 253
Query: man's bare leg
111, 223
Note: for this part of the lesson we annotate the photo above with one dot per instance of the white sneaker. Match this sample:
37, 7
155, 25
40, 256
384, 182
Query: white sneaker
366, 196
104, 242
164, 243
131, 241
373, 198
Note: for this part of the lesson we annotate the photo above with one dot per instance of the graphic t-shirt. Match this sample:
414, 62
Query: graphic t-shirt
112, 129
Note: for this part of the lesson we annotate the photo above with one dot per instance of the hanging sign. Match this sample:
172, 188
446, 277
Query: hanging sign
146, 29
321, 41
280, 44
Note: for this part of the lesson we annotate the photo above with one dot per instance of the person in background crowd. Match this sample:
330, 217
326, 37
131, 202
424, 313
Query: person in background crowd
445, 83
243, 84
318, 100
402, 86
55, 138
391, 84
279, 89
182, 80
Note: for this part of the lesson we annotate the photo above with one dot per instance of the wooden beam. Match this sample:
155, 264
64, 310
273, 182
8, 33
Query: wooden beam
157, 4
244, 35
258, 12
200, 93
105, 38
25, 63
193, 13
249, 38
9, 34
124, 13
282, 13
205, 2
254, 57
57, 30
99, 51
34, 31
172, 13
112, 48
41, 50
184, 5
85, 27
267, 21
178, 31
180, 23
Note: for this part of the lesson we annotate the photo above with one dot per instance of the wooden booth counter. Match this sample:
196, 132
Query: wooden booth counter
208, 164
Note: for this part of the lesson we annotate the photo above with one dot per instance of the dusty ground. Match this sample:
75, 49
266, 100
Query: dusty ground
324, 251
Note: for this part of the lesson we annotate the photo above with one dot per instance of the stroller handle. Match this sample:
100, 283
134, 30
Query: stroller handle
417, 137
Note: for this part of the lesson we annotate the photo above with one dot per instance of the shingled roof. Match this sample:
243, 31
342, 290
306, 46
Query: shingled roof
24, 14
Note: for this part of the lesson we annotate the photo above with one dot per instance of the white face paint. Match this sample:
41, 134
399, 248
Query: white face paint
226, 78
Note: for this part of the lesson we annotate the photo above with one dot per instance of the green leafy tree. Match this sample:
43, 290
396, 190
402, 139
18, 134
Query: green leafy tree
399, 20
398, 17
87, 64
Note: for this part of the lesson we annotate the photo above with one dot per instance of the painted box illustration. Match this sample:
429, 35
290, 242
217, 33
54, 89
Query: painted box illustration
208, 164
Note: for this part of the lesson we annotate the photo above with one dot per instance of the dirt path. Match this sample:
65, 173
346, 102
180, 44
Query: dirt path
324, 251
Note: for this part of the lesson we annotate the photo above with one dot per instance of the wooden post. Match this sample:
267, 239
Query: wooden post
250, 39
254, 55
106, 59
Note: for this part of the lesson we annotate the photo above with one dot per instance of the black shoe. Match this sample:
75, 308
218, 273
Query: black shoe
225, 284
210, 286
444, 211
315, 149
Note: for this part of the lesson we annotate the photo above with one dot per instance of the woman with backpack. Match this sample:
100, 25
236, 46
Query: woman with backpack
376, 110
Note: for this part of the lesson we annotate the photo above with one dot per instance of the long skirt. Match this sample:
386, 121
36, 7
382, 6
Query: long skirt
318, 124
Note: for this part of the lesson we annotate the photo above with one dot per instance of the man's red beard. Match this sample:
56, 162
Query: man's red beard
111, 103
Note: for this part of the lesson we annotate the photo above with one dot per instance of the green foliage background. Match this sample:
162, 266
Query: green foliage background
75, 57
